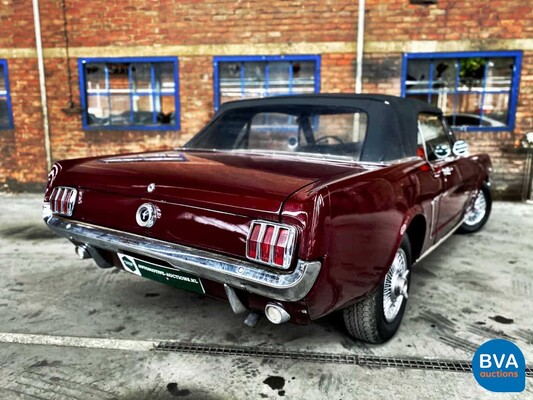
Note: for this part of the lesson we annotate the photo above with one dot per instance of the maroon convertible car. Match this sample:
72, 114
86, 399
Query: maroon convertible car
294, 207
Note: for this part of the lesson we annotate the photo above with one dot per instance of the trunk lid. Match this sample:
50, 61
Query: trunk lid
234, 182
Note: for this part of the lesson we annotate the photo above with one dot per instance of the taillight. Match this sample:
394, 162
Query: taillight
270, 243
63, 200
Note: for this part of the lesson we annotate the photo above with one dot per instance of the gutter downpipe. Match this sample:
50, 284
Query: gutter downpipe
360, 47
42, 82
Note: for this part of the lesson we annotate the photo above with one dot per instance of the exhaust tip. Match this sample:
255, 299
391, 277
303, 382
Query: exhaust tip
82, 252
276, 314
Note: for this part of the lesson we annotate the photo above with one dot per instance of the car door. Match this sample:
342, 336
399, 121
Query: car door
447, 167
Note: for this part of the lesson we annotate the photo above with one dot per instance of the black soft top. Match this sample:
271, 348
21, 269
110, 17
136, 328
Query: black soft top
392, 121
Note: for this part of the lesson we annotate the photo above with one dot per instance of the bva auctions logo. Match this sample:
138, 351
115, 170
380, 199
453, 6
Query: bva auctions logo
499, 366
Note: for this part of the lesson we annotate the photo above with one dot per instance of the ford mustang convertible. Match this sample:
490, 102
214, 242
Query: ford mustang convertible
293, 207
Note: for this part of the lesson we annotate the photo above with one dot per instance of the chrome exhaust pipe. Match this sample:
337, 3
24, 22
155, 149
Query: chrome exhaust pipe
276, 314
82, 252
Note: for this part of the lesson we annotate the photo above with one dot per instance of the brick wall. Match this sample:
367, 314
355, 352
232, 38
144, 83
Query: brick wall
195, 31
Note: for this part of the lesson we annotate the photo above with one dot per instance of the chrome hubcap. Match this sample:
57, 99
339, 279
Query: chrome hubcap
476, 212
395, 286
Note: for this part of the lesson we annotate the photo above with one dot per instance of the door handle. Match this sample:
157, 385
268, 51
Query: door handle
447, 171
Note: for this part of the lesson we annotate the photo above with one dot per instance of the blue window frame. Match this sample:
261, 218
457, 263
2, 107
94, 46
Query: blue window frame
240, 77
477, 91
130, 93
6, 113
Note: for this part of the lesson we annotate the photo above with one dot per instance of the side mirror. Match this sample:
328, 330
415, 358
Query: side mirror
442, 151
460, 148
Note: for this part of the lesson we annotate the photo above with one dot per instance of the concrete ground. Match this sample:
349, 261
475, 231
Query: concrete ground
71, 331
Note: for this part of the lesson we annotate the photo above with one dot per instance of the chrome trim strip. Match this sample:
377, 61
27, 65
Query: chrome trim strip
435, 245
291, 286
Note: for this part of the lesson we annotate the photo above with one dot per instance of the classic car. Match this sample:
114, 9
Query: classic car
293, 207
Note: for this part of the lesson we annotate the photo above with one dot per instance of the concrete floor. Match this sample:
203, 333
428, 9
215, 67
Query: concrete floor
71, 331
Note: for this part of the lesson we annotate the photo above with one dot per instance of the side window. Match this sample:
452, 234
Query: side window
434, 133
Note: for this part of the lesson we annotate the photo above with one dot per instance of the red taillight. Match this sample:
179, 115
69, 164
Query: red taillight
63, 200
266, 243
253, 240
271, 244
281, 246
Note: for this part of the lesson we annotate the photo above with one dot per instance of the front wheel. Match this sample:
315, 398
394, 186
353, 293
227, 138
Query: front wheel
478, 213
376, 317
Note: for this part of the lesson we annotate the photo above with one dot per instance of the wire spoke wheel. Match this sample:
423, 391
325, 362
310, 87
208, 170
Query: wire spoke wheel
476, 212
395, 286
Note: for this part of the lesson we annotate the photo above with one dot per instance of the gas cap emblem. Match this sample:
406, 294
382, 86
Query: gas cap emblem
147, 215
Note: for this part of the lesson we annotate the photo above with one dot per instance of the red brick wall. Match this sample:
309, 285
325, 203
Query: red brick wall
399, 20
390, 29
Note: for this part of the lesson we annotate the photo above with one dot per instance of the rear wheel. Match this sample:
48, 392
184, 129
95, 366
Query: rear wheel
478, 213
376, 317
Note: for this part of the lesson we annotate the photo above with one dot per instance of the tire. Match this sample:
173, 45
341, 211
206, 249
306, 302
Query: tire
477, 215
366, 319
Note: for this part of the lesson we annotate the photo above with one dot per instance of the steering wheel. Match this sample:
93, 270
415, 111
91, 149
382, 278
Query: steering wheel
323, 138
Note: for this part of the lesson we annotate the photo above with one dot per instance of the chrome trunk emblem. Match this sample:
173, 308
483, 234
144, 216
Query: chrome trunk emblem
151, 187
147, 214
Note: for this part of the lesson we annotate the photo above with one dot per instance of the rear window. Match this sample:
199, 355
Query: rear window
337, 131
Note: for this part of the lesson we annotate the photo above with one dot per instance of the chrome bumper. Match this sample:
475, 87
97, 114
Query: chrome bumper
239, 274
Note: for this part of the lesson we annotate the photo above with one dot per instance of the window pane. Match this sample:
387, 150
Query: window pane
3, 90
254, 79
303, 77
418, 76
120, 109
131, 94
338, 131
230, 81
238, 80
279, 78
4, 111
98, 110
165, 72
142, 78
434, 133
500, 74
496, 108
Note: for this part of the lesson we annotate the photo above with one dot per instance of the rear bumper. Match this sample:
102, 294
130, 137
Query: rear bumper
239, 274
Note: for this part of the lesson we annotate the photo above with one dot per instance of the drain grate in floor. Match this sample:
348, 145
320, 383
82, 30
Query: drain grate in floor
362, 360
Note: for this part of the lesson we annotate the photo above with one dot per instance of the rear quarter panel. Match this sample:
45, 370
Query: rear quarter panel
354, 225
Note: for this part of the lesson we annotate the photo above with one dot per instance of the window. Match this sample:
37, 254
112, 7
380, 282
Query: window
476, 91
437, 138
248, 77
324, 130
6, 117
130, 93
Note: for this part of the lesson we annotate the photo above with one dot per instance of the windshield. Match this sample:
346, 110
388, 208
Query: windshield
324, 130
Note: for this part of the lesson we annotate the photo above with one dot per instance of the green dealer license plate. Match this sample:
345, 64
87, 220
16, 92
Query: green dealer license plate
159, 273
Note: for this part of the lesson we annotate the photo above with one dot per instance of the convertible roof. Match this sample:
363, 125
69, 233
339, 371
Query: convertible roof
402, 104
392, 121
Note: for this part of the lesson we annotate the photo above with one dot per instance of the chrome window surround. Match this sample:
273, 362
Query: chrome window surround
289, 249
248, 276
59, 203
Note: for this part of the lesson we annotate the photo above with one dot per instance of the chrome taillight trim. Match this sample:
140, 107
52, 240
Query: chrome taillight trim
289, 249
63, 200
